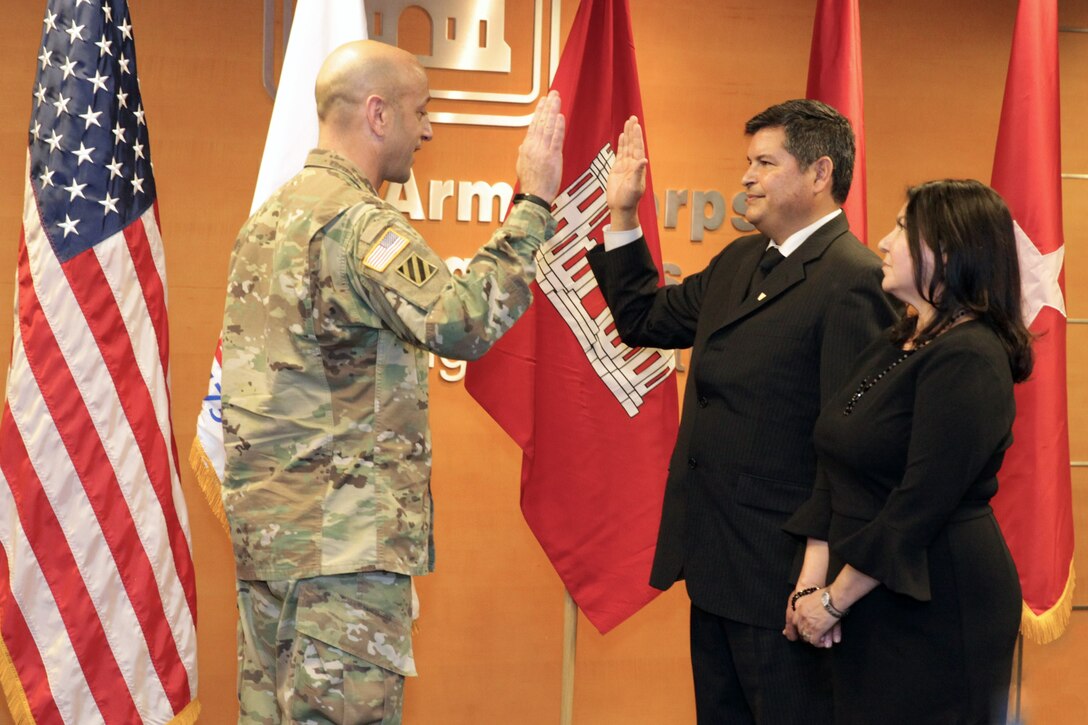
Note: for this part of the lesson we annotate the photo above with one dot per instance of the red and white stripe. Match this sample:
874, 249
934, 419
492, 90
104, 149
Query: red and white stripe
97, 589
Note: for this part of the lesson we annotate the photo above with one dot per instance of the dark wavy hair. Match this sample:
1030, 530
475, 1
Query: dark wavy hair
813, 129
969, 230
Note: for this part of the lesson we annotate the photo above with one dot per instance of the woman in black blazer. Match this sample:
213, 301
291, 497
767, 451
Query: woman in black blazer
908, 452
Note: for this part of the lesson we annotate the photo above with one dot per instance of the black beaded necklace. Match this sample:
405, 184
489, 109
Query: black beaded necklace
868, 382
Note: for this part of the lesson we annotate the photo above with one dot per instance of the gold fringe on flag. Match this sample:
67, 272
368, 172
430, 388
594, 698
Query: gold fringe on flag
13, 688
1048, 626
209, 481
188, 716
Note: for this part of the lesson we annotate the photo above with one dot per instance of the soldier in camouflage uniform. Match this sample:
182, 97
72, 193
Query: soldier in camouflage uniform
333, 304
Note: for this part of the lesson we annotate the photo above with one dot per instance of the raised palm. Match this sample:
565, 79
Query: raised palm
627, 180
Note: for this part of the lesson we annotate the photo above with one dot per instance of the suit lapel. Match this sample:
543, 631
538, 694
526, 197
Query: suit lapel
746, 267
788, 273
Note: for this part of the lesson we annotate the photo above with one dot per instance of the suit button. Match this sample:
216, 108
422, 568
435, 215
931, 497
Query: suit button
703, 402
691, 463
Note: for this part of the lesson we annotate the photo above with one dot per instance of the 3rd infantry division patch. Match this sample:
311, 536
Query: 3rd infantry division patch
416, 270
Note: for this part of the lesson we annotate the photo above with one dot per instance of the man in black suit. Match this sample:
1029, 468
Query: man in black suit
775, 322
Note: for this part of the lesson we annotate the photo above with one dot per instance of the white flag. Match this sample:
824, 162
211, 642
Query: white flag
318, 28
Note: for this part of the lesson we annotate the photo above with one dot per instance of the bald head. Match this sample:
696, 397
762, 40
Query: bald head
372, 108
360, 69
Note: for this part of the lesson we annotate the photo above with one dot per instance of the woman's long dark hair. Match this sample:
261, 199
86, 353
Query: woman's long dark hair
969, 229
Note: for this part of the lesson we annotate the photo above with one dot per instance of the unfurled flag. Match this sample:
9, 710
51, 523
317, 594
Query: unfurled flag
595, 419
208, 454
1034, 501
318, 28
834, 77
97, 592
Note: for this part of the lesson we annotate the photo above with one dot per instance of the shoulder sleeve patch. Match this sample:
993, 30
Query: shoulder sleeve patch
385, 251
416, 269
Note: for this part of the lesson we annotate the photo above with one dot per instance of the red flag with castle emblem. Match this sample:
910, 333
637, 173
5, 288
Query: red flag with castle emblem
834, 77
1034, 501
596, 420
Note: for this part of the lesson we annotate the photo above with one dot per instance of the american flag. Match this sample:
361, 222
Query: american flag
97, 590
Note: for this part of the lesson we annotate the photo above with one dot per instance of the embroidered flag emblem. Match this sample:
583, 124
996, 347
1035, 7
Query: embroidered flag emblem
416, 270
382, 253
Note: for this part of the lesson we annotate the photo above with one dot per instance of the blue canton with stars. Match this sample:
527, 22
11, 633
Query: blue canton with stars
90, 160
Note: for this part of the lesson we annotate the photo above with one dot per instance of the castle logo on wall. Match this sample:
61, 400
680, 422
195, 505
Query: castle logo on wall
488, 56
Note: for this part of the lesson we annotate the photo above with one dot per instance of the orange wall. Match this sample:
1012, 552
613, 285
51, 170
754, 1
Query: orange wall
489, 642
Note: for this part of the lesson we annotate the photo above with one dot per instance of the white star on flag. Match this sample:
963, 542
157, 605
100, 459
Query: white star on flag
61, 104
99, 81
69, 225
75, 32
109, 203
76, 189
68, 66
91, 116
83, 153
1039, 273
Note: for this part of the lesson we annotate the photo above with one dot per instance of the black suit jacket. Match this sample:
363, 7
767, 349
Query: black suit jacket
760, 370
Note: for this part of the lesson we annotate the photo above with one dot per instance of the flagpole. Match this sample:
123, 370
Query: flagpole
570, 642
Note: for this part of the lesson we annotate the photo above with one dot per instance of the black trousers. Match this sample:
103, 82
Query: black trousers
751, 675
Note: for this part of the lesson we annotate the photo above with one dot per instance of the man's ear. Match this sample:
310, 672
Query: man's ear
377, 114
823, 168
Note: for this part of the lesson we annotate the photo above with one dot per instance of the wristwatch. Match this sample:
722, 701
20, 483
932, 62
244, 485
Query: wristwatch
825, 599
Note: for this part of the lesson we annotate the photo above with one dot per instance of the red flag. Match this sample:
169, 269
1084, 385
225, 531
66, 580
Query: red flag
596, 420
97, 589
834, 77
1034, 502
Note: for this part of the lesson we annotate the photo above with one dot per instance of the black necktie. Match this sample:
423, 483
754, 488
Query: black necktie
770, 259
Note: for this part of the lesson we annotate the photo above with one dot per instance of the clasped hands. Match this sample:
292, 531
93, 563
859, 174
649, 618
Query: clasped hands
809, 621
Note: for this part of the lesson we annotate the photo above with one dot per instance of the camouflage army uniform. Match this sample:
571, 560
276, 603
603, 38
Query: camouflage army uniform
333, 303
331, 649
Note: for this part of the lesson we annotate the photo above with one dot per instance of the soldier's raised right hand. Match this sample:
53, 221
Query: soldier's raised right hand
540, 156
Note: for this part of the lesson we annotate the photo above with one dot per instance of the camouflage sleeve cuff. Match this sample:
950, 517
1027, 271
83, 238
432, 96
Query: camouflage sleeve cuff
533, 221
